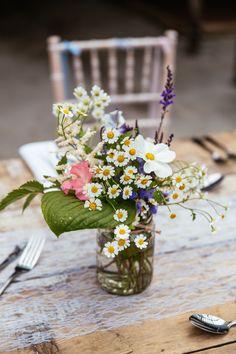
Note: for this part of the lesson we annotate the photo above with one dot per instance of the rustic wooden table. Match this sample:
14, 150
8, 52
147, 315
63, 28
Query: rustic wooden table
58, 307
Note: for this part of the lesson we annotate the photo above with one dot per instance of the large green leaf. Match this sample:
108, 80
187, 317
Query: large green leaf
65, 213
24, 190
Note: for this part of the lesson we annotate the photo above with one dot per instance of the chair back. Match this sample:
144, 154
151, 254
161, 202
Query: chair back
131, 70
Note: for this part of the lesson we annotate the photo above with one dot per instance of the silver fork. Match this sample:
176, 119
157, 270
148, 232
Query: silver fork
27, 260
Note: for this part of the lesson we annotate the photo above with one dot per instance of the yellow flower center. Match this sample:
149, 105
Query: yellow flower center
120, 158
127, 142
106, 172
140, 241
131, 172
126, 192
175, 196
121, 242
120, 215
94, 189
113, 190
172, 215
178, 179
122, 232
144, 181
66, 111
150, 156
92, 206
132, 152
182, 187
110, 135
98, 170
111, 249
126, 178
111, 155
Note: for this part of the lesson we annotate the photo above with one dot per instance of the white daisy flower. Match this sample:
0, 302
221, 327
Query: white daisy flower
130, 170
56, 109
121, 215
98, 113
110, 155
93, 204
176, 196
120, 159
127, 192
172, 215
80, 92
122, 243
156, 157
126, 179
127, 141
131, 150
67, 111
143, 208
143, 181
110, 136
106, 172
96, 91
110, 249
122, 231
113, 191
182, 187
140, 241
105, 98
93, 190
178, 179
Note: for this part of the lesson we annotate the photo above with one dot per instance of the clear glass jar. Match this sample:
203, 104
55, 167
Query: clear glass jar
130, 272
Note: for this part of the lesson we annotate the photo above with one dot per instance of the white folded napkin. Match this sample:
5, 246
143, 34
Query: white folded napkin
41, 158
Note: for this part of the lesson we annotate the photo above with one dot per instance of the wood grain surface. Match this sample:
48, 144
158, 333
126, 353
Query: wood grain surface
45, 310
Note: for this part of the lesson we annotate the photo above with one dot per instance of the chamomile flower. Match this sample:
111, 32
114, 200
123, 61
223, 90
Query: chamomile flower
143, 181
122, 231
178, 179
126, 141
96, 91
106, 172
176, 196
93, 189
127, 192
121, 215
110, 155
172, 215
110, 136
98, 113
66, 110
182, 187
140, 241
122, 243
80, 92
130, 170
126, 179
110, 249
131, 150
120, 159
93, 204
113, 191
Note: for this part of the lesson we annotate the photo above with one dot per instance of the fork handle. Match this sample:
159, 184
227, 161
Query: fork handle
201, 143
9, 281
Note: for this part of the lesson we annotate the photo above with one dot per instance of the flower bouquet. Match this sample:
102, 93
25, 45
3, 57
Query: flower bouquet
116, 186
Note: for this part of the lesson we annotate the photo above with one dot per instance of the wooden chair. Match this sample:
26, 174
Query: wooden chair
131, 70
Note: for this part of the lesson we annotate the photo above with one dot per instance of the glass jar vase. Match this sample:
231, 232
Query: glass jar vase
129, 272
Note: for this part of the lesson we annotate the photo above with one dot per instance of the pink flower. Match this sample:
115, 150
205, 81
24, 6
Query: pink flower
84, 176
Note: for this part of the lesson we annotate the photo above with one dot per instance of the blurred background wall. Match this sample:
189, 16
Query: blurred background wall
206, 95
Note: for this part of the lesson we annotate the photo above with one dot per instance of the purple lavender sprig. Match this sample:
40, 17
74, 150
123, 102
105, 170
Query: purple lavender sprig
168, 93
167, 100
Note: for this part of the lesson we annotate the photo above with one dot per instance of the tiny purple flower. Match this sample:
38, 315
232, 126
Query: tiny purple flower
153, 209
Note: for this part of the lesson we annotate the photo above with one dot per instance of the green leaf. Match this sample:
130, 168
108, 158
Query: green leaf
65, 213
27, 188
28, 201
32, 186
63, 161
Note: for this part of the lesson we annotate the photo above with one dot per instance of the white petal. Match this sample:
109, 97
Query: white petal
162, 170
149, 166
166, 156
140, 144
